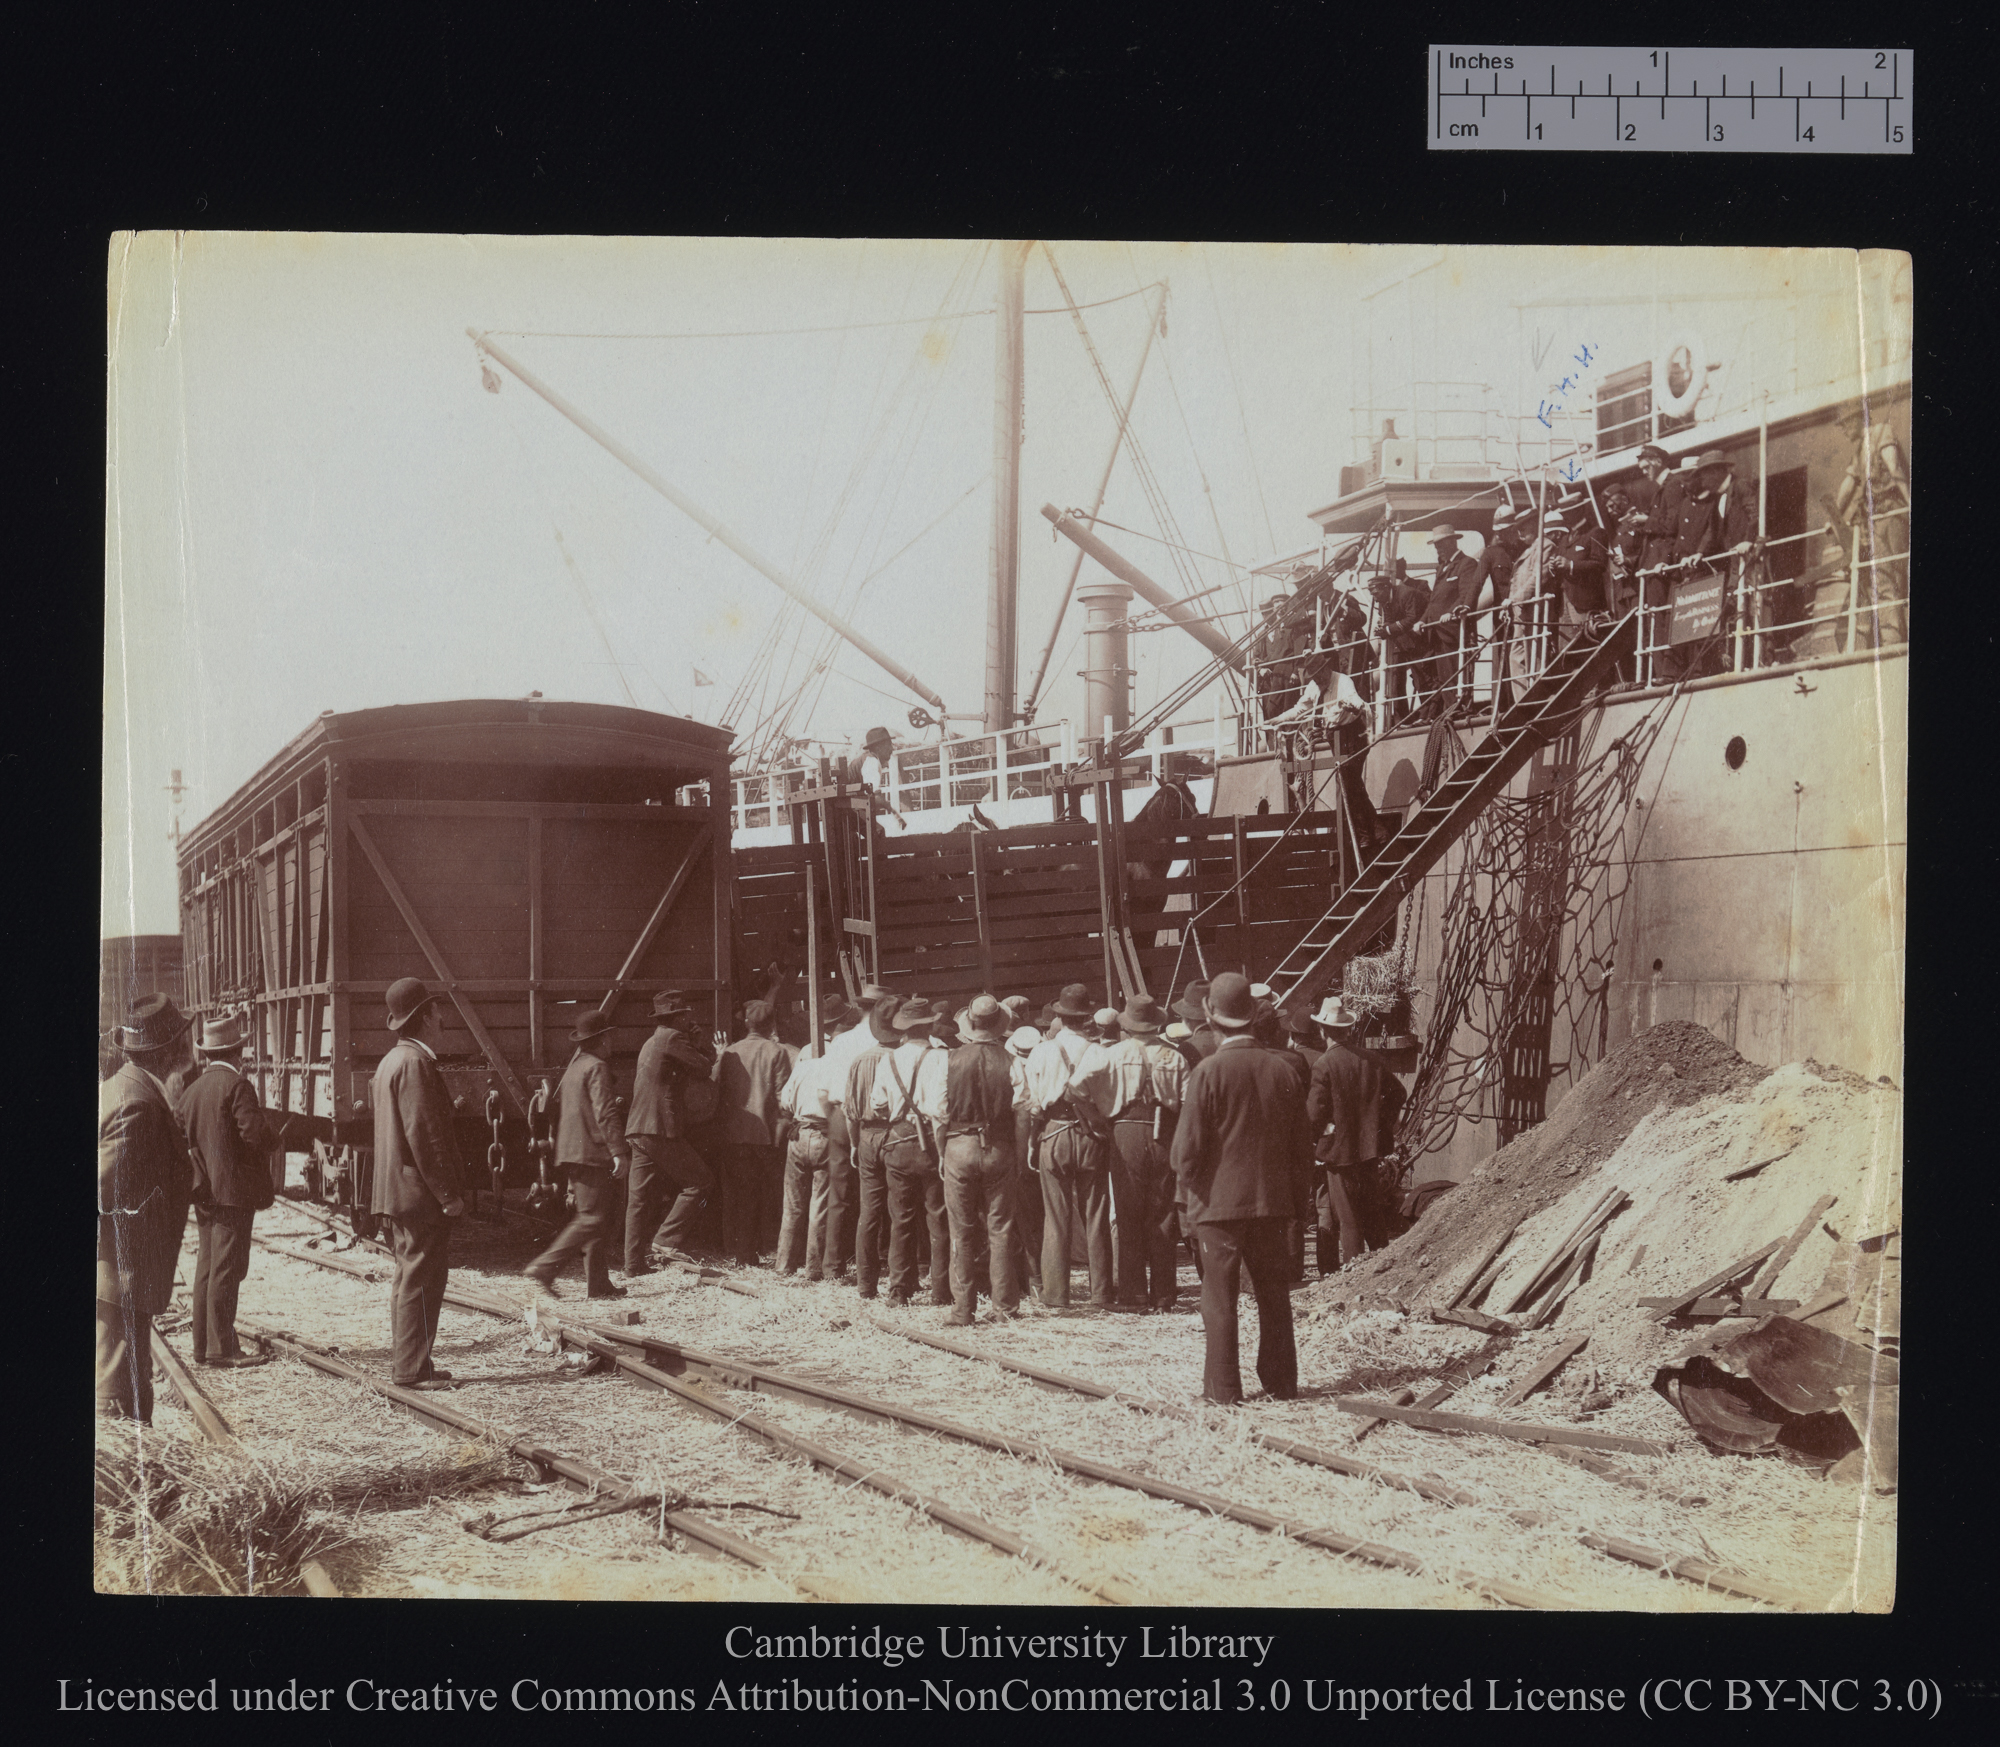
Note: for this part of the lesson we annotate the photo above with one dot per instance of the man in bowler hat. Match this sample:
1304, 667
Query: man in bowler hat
230, 1140
144, 1182
1242, 1159
670, 1180
591, 1146
419, 1178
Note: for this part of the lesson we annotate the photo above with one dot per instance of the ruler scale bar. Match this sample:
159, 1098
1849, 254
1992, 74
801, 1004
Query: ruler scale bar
1706, 104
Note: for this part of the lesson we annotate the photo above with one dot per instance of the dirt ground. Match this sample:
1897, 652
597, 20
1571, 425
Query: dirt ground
1667, 1122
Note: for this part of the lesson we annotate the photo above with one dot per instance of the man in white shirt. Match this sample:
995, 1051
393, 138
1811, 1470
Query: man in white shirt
1137, 1085
805, 1109
840, 1140
1070, 1156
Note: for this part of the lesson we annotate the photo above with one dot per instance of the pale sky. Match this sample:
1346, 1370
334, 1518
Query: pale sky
312, 504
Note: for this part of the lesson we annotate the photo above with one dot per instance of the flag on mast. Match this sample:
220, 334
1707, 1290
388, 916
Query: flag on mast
701, 678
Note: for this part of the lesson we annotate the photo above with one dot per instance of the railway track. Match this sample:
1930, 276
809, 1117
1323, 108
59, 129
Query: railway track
668, 1358
578, 1475
816, 1454
618, 1346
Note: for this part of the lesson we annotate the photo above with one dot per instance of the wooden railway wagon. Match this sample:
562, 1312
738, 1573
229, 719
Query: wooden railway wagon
1026, 909
530, 860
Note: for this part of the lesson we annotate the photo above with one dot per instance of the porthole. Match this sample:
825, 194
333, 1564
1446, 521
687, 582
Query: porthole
1735, 752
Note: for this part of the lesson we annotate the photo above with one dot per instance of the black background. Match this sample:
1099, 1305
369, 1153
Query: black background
1287, 122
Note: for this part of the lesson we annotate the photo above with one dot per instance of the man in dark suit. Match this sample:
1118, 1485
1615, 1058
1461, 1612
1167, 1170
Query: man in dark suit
1400, 604
665, 1168
419, 1177
1352, 1108
1656, 497
591, 1146
1240, 1156
231, 1141
145, 1180
1712, 535
1454, 596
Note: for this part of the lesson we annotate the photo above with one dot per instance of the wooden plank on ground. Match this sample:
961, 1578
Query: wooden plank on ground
1735, 1271
1761, 1286
1545, 1370
1491, 1325
1520, 1433
1487, 1257
1553, 1263
1728, 1306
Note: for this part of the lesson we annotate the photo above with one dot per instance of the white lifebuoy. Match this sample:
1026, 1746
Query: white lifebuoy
1683, 350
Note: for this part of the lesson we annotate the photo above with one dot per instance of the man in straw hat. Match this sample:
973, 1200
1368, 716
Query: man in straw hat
969, 1096
671, 1182
805, 1106
419, 1178
1241, 1154
145, 1180
231, 1143
1071, 1147
1137, 1086
751, 1073
591, 1146
1352, 1107
909, 1159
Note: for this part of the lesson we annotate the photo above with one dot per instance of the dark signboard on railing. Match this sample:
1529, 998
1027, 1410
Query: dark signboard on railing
1698, 606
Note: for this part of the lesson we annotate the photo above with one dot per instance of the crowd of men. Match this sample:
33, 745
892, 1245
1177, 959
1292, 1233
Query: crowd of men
921, 1154
1572, 555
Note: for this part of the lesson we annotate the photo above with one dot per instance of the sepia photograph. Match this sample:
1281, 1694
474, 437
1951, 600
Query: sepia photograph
1003, 923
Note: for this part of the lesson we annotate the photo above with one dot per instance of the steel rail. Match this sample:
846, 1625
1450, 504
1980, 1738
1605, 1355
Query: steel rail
578, 1475
606, 1341
1699, 1571
735, 1373
592, 1338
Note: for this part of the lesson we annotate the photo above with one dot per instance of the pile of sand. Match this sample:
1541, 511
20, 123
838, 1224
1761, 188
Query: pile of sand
1668, 1118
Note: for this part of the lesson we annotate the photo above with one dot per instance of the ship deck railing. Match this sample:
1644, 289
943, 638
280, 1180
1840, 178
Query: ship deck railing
1827, 612
994, 770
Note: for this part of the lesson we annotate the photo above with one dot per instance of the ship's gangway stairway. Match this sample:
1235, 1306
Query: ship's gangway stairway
1541, 713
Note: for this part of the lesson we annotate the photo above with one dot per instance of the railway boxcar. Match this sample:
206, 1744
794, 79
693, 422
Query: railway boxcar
530, 860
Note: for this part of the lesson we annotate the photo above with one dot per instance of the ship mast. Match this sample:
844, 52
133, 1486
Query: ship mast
1003, 585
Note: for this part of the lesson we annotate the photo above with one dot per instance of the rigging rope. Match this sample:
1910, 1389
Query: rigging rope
1527, 933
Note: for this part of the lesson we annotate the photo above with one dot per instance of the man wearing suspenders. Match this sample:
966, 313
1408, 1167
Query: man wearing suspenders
1070, 1149
909, 1163
969, 1094
1137, 1086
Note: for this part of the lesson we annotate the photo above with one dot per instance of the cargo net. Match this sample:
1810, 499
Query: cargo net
1528, 930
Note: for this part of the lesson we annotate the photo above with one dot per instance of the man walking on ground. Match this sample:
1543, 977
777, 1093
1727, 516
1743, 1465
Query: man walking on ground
969, 1095
144, 1182
591, 1146
419, 1178
1138, 1088
1070, 1154
803, 1110
752, 1072
670, 1180
916, 1192
230, 1142
1352, 1109
1240, 1157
